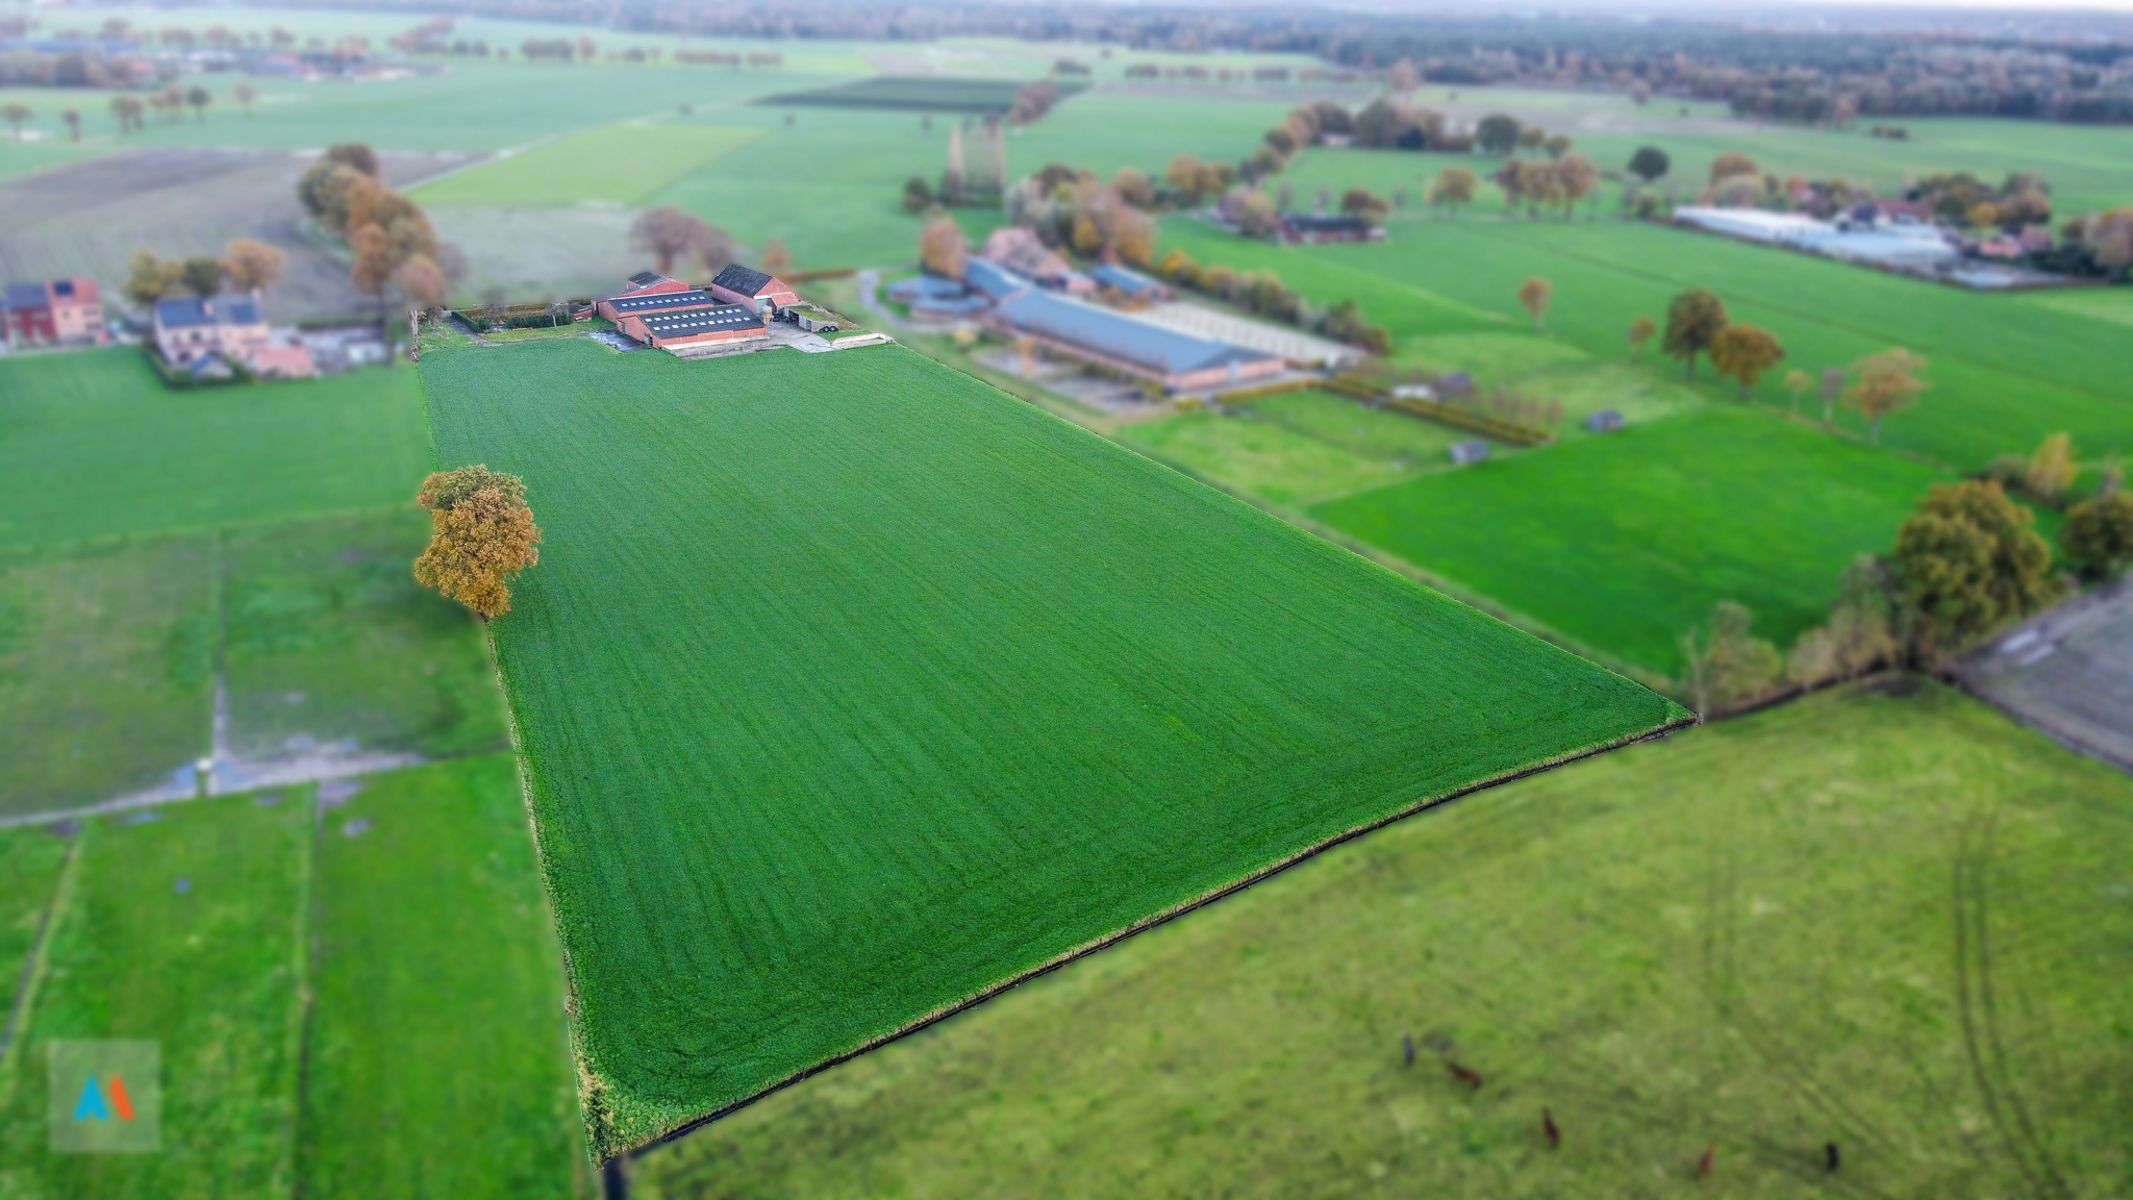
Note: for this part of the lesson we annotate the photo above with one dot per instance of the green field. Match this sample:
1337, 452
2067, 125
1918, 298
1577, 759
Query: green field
2004, 373
164, 460
210, 972
918, 93
1297, 448
1890, 922
106, 669
432, 1058
327, 638
1623, 543
808, 609
615, 165
438, 1031
30, 862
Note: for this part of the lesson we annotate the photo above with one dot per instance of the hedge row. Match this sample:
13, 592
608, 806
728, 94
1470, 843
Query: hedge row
1473, 422
1265, 389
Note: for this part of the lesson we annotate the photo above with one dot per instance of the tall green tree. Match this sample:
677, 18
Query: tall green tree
1744, 354
1693, 319
1497, 133
2097, 537
1967, 561
1649, 163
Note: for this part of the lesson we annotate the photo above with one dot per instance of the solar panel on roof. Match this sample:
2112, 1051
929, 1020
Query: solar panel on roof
629, 304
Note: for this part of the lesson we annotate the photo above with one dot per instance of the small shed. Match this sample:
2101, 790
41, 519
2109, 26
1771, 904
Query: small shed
1607, 420
1469, 452
1453, 383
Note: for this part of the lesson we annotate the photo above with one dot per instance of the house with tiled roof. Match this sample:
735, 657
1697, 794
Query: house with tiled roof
759, 290
189, 330
55, 312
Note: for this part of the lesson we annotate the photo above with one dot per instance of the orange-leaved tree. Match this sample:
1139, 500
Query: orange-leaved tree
481, 536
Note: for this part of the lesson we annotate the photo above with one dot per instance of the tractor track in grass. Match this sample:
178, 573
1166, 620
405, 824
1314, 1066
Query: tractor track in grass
18, 1007
1980, 1015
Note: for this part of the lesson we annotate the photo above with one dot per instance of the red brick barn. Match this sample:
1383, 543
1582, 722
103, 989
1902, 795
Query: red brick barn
759, 290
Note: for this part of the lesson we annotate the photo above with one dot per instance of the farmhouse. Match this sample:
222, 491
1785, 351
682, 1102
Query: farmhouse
55, 312
760, 291
1170, 358
1327, 227
199, 333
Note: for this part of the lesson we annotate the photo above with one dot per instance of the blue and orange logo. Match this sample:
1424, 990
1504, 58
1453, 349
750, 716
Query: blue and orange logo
104, 1097
104, 1101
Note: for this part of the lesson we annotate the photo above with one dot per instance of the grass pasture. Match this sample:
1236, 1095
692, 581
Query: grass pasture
438, 1028
613, 165
106, 670
2004, 371
185, 930
1890, 922
164, 460
1622, 543
328, 639
1295, 449
807, 608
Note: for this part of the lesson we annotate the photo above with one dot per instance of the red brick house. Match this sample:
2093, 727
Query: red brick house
56, 312
761, 291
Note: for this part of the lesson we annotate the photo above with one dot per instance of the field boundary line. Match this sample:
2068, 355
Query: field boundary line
39, 551
18, 1010
1160, 918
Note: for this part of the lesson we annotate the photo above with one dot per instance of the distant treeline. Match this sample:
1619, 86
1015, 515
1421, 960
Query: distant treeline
2070, 67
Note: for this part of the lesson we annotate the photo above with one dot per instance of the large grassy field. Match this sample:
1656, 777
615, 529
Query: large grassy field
616, 165
92, 445
1893, 923
777, 672
1623, 543
2004, 373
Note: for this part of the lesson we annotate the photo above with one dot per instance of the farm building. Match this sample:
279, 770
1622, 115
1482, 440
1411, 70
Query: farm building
640, 304
935, 296
761, 291
1129, 285
1170, 358
1019, 251
55, 312
1327, 227
1898, 242
703, 326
